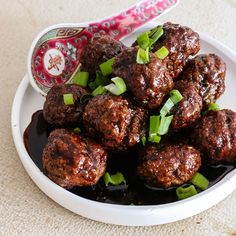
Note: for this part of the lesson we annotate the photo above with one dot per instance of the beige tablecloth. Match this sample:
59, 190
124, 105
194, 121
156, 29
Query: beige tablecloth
24, 209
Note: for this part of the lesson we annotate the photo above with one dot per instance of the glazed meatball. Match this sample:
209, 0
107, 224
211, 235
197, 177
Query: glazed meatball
99, 50
114, 121
207, 72
188, 110
168, 165
56, 112
72, 160
148, 83
215, 136
182, 42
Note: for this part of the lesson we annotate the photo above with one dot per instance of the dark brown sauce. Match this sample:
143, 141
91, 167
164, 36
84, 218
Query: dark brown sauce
135, 192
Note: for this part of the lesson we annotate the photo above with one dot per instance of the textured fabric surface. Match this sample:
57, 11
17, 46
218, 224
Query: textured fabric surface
24, 209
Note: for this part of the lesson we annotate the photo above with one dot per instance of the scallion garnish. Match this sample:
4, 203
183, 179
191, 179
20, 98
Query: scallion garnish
81, 78
162, 53
68, 99
115, 179
200, 181
106, 67
175, 96
164, 124
143, 40
154, 35
159, 125
154, 138
144, 140
154, 124
85, 98
98, 91
185, 192
77, 130
167, 107
142, 56
100, 80
117, 87
213, 107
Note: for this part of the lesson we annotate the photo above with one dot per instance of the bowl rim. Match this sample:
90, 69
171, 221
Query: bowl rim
120, 214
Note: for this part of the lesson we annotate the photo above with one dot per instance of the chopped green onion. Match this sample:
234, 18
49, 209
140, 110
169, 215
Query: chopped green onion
200, 181
173, 100
154, 138
162, 53
155, 34
115, 179
186, 192
175, 96
117, 87
143, 40
98, 91
68, 99
142, 56
106, 67
144, 140
100, 80
153, 129
164, 124
154, 123
85, 98
77, 130
213, 107
81, 78
167, 107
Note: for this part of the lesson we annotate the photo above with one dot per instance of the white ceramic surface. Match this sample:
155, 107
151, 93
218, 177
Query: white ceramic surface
27, 101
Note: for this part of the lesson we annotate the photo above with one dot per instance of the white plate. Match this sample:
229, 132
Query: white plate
27, 101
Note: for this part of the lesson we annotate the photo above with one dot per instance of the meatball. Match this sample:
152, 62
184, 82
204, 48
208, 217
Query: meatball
148, 83
182, 42
114, 121
99, 50
207, 72
168, 165
55, 111
188, 110
72, 160
215, 136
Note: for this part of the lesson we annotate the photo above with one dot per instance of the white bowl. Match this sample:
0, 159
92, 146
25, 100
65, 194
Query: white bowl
27, 101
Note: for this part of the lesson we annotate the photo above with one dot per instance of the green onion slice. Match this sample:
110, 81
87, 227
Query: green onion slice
115, 179
155, 34
154, 123
117, 87
81, 78
106, 67
68, 99
144, 140
98, 91
213, 107
186, 192
167, 107
164, 124
77, 130
85, 98
154, 138
142, 56
162, 53
200, 181
143, 40
100, 80
175, 96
